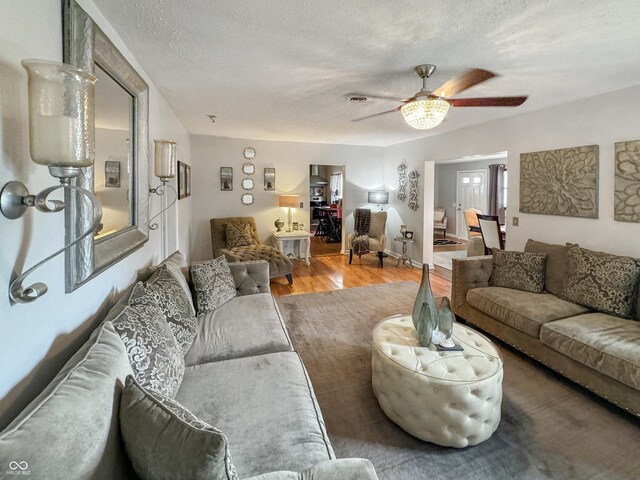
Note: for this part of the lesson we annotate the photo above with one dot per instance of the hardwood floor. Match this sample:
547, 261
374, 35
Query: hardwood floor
319, 247
333, 272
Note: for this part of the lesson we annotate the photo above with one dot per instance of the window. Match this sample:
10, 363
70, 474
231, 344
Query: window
335, 185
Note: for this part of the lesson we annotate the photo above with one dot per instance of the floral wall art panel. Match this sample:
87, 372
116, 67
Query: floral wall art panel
560, 182
627, 183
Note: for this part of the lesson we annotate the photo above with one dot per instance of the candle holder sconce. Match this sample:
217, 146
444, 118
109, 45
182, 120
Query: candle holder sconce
165, 169
61, 137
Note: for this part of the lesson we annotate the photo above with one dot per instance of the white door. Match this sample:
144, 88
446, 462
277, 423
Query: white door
471, 192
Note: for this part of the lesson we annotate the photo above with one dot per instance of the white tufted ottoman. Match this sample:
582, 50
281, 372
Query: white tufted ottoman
449, 398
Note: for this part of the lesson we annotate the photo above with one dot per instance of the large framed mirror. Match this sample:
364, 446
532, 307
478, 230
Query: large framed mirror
119, 176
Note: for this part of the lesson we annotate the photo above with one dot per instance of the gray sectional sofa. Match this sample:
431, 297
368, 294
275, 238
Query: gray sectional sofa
597, 350
242, 376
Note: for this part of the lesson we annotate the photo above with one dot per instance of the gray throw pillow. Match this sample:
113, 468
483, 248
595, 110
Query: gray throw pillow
556, 266
518, 270
177, 264
238, 235
155, 356
164, 440
164, 291
213, 283
607, 283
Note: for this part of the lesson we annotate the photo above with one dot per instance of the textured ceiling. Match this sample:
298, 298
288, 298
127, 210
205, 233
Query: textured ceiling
278, 69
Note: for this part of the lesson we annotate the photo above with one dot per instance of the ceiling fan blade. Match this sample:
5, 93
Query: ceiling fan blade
466, 80
378, 97
375, 115
488, 102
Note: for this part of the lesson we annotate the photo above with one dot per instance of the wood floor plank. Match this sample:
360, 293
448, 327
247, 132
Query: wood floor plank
333, 272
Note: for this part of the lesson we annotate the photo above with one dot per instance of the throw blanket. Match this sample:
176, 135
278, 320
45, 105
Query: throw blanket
360, 244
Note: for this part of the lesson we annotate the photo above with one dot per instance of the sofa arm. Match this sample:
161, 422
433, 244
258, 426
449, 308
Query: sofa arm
251, 277
468, 273
344, 469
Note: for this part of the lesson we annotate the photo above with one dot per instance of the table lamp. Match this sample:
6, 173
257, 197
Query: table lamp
379, 198
291, 201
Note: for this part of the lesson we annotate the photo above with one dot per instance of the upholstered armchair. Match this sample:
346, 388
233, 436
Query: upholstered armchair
440, 221
237, 239
377, 240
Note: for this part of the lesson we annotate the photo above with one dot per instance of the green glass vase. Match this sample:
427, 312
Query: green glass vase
425, 326
425, 295
446, 318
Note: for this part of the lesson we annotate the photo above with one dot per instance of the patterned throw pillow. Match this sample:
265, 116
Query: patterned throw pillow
518, 270
165, 440
607, 283
164, 291
213, 283
238, 235
154, 353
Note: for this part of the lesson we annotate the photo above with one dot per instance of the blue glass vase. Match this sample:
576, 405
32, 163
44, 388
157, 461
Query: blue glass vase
425, 295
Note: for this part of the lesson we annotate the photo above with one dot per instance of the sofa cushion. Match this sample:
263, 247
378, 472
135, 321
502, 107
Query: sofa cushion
523, 311
604, 282
154, 353
177, 265
556, 265
71, 429
238, 235
164, 440
245, 325
213, 283
265, 406
164, 291
608, 344
518, 270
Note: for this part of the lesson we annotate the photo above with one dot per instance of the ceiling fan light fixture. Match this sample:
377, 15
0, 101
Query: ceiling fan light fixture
425, 114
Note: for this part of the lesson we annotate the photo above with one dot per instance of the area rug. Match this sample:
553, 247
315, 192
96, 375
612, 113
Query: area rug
550, 428
439, 242
445, 259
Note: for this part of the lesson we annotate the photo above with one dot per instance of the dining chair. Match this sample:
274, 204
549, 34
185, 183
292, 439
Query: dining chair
471, 220
490, 231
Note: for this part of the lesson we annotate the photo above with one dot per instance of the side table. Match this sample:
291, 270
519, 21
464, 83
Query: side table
405, 258
304, 242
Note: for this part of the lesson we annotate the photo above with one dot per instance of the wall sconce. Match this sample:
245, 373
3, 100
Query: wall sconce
379, 198
164, 168
291, 201
61, 136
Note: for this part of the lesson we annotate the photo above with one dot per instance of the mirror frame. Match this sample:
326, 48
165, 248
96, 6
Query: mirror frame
84, 45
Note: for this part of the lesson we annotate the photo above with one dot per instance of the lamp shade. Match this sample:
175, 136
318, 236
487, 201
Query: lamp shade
291, 201
379, 198
425, 114
164, 159
61, 114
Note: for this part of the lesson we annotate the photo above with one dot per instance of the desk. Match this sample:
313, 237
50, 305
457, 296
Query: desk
304, 243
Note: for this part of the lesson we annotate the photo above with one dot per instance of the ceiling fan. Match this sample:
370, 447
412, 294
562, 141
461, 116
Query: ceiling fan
426, 109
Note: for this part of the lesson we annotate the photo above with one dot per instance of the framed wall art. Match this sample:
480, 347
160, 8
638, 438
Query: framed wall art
269, 178
226, 179
560, 182
188, 180
182, 180
112, 174
627, 182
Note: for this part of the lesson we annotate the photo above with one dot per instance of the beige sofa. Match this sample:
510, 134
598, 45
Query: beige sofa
601, 352
241, 376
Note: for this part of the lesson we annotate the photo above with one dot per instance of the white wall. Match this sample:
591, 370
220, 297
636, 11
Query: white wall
37, 339
363, 171
601, 120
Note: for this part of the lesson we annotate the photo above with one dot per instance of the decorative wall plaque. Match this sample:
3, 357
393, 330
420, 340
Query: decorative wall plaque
627, 183
560, 182
402, 181
413, 191
269, 178
226, 179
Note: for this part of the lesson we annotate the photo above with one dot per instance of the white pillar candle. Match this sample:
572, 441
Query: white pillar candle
164, 159
54, 141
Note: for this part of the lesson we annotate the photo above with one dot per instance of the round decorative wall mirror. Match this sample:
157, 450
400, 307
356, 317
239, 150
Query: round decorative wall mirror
247, 184
247, 199
249, 153
248, 168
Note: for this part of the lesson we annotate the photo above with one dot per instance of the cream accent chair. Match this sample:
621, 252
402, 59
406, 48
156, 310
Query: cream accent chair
440, 221
377, 240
